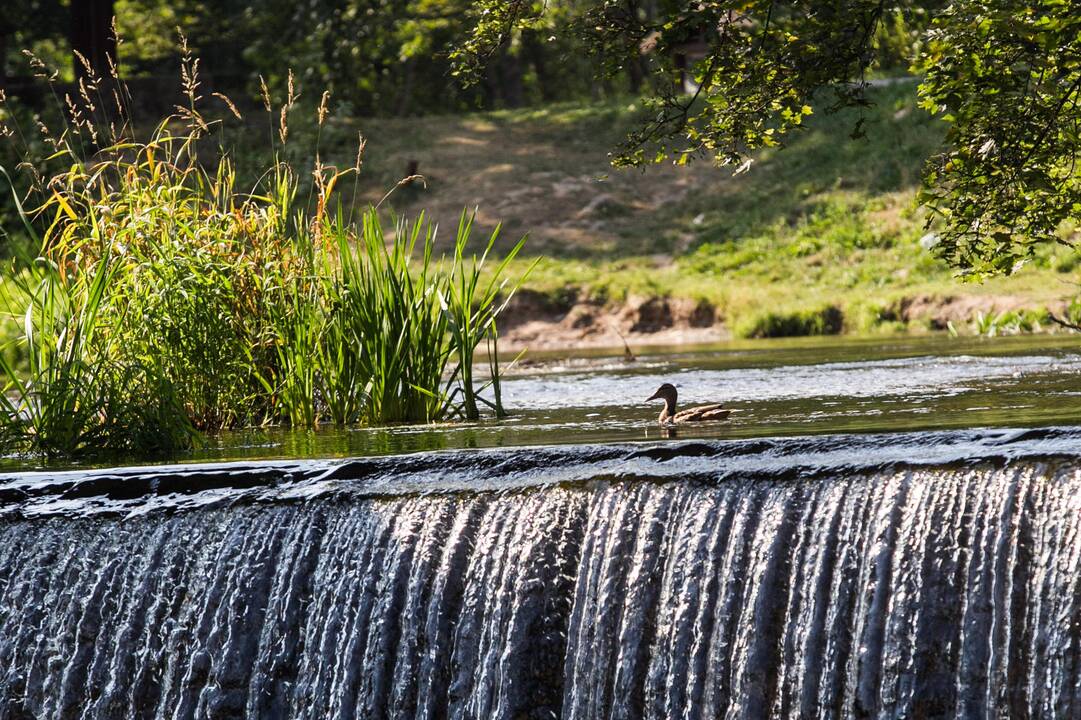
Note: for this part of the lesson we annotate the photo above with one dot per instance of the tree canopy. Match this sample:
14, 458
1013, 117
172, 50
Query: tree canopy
721, 79
1005, 75
378, 57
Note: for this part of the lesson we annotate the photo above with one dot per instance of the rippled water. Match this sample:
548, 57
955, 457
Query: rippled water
788, 387
791, 387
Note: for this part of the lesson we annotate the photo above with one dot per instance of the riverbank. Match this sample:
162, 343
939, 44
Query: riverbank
823, 236
533, 321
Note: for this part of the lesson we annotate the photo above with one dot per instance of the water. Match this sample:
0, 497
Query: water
909, 575
776, 566
788, 387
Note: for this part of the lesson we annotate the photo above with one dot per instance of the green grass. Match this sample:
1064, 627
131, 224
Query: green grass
820, 321
391, 306
80, 391
183, 288
826, 221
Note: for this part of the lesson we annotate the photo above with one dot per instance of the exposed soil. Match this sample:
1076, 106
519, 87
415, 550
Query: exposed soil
533, 321
537, 179
536, 322
937, 312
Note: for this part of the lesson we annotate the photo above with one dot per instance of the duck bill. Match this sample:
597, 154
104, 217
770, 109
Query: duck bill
654, 396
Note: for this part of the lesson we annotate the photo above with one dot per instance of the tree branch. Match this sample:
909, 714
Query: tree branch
1064, 323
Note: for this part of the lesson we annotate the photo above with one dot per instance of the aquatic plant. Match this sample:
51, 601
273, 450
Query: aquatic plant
1008, 322
472, 307
163, 299
392, 306
79, 394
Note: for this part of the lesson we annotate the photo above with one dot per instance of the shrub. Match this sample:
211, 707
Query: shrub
827, 320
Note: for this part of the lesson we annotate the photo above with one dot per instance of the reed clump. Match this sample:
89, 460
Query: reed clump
162, 301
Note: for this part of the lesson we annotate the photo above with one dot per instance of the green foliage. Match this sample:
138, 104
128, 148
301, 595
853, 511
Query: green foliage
392, 307
1073, 311
81, 392
493, 23
1004, 74
1007, 76
827, 320
377, 57
165, 301
296, 327
377, 332
36, 25
472, 306
761, 67
185, 303
373, 332
1009, 322
898, 39
823, 222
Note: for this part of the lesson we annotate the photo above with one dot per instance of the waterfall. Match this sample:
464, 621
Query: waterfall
618, 582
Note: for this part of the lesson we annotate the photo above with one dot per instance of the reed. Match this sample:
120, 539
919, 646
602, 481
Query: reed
472, 305
390, 304
163, 300
79, 394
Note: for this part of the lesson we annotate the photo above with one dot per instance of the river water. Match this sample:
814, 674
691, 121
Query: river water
774, 388
882, 530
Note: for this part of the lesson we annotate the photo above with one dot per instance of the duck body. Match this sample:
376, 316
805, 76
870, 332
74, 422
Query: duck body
699, 413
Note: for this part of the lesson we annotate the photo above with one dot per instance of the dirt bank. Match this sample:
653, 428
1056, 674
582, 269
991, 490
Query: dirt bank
534, 321
538, 322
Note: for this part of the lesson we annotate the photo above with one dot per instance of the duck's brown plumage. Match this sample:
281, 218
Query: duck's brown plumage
699, 413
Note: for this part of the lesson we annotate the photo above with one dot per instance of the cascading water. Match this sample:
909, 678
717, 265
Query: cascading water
929, 575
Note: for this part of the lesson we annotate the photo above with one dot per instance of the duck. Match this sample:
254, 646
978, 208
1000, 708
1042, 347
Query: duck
699, 413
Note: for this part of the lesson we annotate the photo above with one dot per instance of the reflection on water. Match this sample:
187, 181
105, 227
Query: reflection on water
773, 388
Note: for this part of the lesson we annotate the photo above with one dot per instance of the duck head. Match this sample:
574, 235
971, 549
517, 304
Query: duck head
666, 392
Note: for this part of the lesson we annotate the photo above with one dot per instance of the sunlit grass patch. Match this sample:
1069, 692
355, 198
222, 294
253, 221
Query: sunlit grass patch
827, 320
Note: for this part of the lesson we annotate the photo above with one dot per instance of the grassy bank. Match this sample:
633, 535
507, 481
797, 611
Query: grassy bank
824, 229
827, 222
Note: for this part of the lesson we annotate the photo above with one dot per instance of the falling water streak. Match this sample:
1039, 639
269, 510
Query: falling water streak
908, 593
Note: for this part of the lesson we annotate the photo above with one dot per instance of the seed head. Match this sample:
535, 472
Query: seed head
266, 93
323, 107
229, 104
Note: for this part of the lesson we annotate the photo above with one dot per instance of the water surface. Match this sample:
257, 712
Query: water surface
791, 563
809, 386
774, 388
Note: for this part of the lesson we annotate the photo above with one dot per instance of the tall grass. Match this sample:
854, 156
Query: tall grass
473, 307
80, 392
164, 300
